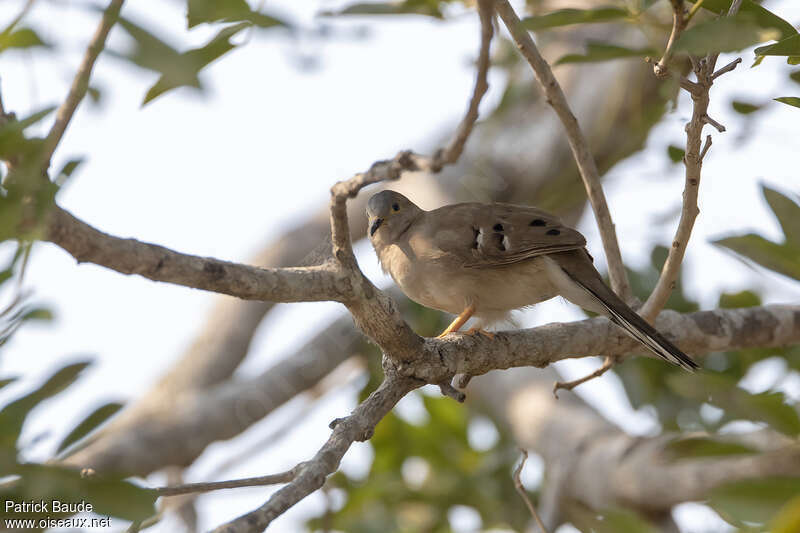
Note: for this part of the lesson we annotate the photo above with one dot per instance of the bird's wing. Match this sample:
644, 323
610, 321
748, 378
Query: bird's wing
502, 234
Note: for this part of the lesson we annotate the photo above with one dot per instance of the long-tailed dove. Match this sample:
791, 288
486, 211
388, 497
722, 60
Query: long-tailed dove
485, 260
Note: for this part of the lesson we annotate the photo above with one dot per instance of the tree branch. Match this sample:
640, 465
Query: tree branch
693, 163
578, 144
311, 475
453, 151
679, 21
260, 481
129, 256
198, 419
81, 82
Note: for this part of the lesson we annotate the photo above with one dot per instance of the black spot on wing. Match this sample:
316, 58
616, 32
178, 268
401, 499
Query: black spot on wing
497, 227
553, 232
538, 222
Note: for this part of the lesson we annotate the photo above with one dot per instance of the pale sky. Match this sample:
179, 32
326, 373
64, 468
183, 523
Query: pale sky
223, 173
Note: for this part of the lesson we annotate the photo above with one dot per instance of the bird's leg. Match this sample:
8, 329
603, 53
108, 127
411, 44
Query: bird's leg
456, 324
480, 331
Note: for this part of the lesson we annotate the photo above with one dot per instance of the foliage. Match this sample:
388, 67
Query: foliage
109, 495
778, 257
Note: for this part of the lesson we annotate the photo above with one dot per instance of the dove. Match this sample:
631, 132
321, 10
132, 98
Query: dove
485, 260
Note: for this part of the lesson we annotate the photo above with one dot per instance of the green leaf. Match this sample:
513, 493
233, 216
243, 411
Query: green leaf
793, 101
207, 11
596, 51
721, 390
781, 258
428, 8
738, 300
694, 447
67, 170
675, 153
108, 495
7, 381
727, 34
744, 108
787, 211
97, 417
193, 61
789, 46
565, 17
753, 500
795, 76
21, 38
763, 17
787, 519
13, 415
611, 521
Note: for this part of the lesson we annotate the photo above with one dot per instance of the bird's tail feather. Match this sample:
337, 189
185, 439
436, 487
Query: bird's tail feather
637, 327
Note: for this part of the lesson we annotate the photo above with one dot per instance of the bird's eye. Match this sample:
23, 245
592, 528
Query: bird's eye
395, 207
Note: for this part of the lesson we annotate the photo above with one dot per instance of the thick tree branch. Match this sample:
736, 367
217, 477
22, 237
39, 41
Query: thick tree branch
606, 467
578, 144
195, 420
81, 82
129, 256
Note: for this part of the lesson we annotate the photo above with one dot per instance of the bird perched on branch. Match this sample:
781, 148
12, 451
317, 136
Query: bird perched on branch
485, 260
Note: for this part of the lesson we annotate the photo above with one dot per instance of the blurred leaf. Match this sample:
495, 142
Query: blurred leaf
7, 381
727, 34
738, 299
610, 521
755, 500
744, 108
795, 76
675, 153
597, 51
793, 101
12, 416
12, 133
787, 211
790, 46
694, 447
200, 11
565, 17
109, 495
97, 417
194, 61
788, 517
721, 390
763, 17
408, 7
21, 38
95, 94
66, 171
781, 258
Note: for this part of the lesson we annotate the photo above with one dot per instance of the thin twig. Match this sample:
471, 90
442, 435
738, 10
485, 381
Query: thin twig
521, 490
727, 68
80, 84
569, 385
706, 146
679, 21
191, 488
695, 8
693, 161
578, 144
453, 150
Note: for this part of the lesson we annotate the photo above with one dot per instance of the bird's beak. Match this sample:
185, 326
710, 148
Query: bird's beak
374, 225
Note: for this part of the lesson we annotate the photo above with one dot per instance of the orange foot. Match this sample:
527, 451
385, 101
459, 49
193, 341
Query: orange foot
479, 331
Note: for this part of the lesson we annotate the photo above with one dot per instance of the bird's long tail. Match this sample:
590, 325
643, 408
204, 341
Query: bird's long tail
626, 318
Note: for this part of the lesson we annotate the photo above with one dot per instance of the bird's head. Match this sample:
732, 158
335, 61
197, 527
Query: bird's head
389, 214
